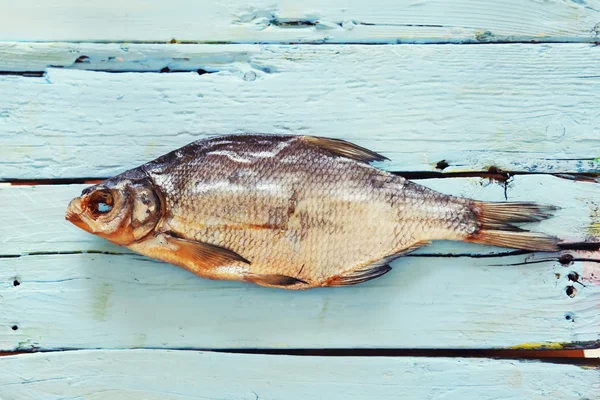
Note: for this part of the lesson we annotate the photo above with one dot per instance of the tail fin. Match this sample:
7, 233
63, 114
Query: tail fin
496, 228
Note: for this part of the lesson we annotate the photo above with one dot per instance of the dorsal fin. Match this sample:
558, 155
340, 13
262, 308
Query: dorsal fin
344, 149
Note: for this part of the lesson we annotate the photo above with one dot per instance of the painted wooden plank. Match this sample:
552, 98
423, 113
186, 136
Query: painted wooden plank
33, 216
523, 107
178, 375
382, 21
128, 301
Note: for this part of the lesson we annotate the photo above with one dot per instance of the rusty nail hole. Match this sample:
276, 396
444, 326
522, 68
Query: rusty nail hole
173, 41
14, 328
82, 59
573, 276
165, 69
566, 259
201, 71
249, 76
441, 165
557, 275
16, 282
571, 291
570, 317
497, 174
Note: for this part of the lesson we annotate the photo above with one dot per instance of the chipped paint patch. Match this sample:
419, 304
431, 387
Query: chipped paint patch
100, 304
538, 346
591, 269
594, 228
484, 36
140, 341
594, 353
580, 345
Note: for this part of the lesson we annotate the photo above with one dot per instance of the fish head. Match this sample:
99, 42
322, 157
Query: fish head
122, 210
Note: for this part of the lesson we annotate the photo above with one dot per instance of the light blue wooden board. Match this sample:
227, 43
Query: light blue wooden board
517, 107
104, 301
115, 301
125, 301
179, 375
33, 216
380, 21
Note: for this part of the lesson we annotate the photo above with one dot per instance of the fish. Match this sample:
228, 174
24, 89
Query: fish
291, 212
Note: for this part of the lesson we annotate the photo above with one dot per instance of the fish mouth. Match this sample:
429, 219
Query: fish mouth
73, 215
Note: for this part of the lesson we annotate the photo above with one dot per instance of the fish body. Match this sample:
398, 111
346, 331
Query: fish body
293, 212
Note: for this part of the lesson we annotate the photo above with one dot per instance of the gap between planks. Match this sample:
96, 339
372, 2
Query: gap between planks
310, 21
492, 173
584, 357
564, 259
392, 42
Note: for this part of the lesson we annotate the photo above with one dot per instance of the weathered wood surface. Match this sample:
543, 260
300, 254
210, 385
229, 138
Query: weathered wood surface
516, 107
33, 216
125, 300
381, 21
140, 374
76, 110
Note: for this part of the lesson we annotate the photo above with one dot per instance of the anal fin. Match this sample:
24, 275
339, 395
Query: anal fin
357, 276
371, 271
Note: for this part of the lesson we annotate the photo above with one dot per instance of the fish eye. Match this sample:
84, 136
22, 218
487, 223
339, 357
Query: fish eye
100, 202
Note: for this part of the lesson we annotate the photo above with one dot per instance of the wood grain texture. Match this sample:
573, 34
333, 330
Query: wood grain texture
517, 107
73, 110
109, 301
435, 301
140, 374
382, 21
33, 216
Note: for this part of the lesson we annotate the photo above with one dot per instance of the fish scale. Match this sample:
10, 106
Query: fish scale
292, 212
323, 178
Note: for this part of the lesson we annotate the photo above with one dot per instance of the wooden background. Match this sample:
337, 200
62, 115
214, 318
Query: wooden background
490, 100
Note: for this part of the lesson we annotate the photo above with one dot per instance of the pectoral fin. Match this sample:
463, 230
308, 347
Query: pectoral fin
200, 258
204, 254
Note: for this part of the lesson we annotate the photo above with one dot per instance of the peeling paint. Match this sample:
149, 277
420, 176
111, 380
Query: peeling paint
592, 344
484, 36
594, 228
538, 346
101, 301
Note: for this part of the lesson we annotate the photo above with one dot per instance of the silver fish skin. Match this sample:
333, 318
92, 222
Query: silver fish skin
293, 212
